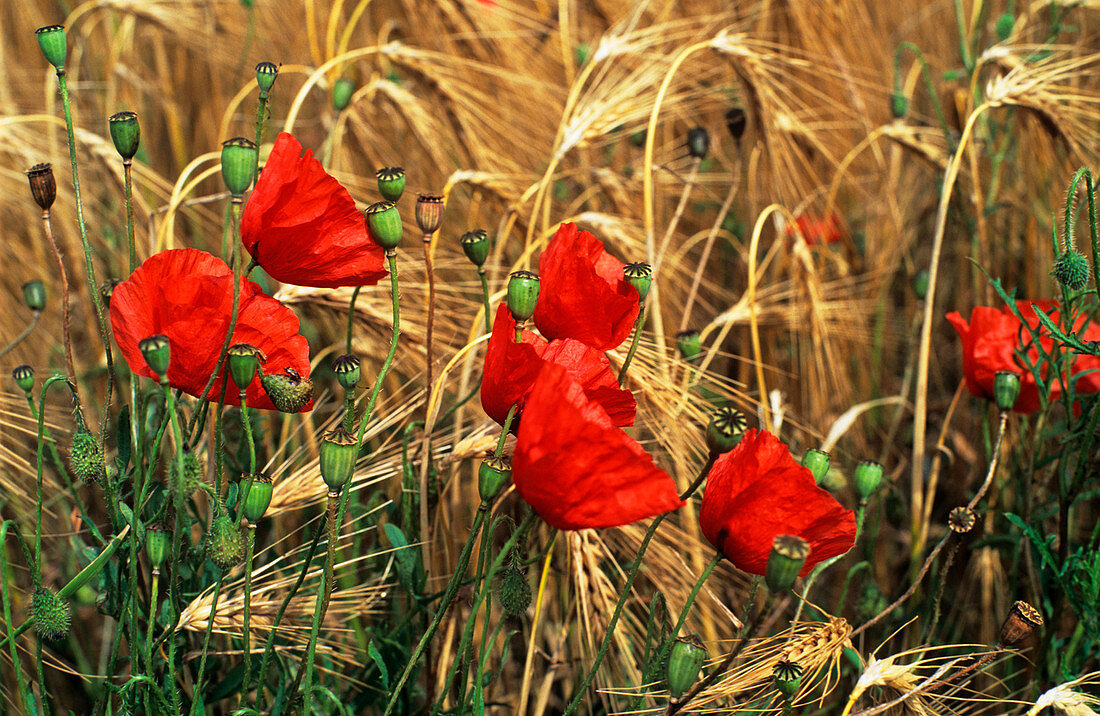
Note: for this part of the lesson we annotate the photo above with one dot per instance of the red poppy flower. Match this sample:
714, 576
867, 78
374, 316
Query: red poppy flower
187, 295
756, 492
817, 229
582, 292
990, 341
303, 228
575, 468
511, 369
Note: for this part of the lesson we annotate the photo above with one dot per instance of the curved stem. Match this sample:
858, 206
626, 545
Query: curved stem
391, 256
685, 317
351, 317
12, 632
64, 277
37, 574
22, 336
633, 344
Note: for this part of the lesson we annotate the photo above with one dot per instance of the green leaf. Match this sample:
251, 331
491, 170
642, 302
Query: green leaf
1037, 539
376, 657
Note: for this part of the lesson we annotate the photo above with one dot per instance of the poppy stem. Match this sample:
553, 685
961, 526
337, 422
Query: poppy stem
197, 700
504, 430
391, 257
431, 306
22, 336
152, 622
65, 320
128, 187
322, 603
633, 344
351, 316
250, 553
485, 298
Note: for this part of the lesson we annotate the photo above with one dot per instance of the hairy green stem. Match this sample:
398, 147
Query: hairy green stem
391, 256
206, 644
127, 164
321, 606
633, 344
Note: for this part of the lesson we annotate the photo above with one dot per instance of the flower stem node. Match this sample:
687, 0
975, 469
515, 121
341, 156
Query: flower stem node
1021, 622
640, 276
54, 46
429, 212
224, 543
43, 185
475, 244
289, 391
961, 519
391, 182
698, 142
685, 661
86, 457
34, 294
818, 463
492, 477
1071, 269
125, 133
258, 498
1006, 389
244, 362
239, 157
514, 591
523, 294
736, 123
788, 678
725, 429
158, 543
185, 475
266, 74
788, 555
157, 353
342, 90
385, 223
867, 479
690, 344
24, 378
339, 450
346, 368
51, 614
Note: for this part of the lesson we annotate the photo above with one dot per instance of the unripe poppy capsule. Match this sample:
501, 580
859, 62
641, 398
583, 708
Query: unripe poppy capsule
640, 276
339, 449
818, 463
725, 429
391, 182
258, 497
125, 133
788, 555
492, 477
24, 377
867, 478
1006, 389
52, 42
346, 368
475, 244
523, 294
685, 660
342, 90
238, 165
34, 294
266, 74
385, 223
244, 362
157, 353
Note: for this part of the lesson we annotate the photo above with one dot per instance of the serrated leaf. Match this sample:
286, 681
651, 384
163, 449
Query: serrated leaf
1036, 539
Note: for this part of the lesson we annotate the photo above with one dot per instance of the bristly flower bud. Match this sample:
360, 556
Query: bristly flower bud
1022, 620
1071, 269
1006, 389
339, 450
698, 142
50, 614
788, 678
391, 182
43, 185
244, 362
492, 476
158, 543
961, 519
289, 391
157, 353
34, 294
736, 122
184, 474
690, 344
266, 74
725, 430
125, 133
24, 378
522, 295
640, 276
475, 244
346, 368
867, 478
685, 660
54, 46
86, 457
514, 591
429, 212
818, 463
788, 555
342, 90
239, 157
257, 499
224, 543
385, 223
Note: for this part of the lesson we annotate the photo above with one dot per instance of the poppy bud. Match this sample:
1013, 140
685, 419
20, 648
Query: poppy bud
1071, 269
185, 474
43, 185
266, 74
690, 344
1022, 620
346, 368
125, 133
788, 678
385, 222
24, 377
523, 294
391, 182
640, 276
685, 660
342, 90
86, 457
961, 519
244, 362
34, 294
339, 450
51, 39
289, 391
899, 105
1006, 389
736, 122
492, 476
107, 289
50, 614
867, 478
1005, 23
257, 499
788, 555
429, 212
475, 244
239, 157
158, 542
725, 429
157, 353
698, 142
514, 592
224, 542
818, 463
920, 284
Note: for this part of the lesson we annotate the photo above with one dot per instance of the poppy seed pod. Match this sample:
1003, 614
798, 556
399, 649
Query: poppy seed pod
43, 185
342, 90
698, 142
346, 368
289, 391
157, 353
239, 157
125, 133
475, 244
514, 593
34, 294
86, 457
24, 378
725, 429
818, 463
492, 476
51, 40
244, 362
788, 555
50, 614
385, 224
1006, 389
158, 543
257, 499
391, 182
429, 212
736, 122
1071, 269
640, 276
266, 74
523, 294
788, 678
1022, 620
339, 450
690, 344
224, 542
107, 290
684, 663
961, 519
867, 478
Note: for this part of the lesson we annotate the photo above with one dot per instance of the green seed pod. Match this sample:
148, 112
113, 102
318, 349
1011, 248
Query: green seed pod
158, 543
523, 294
788, 555
342, 90
736, 123
475, 244
385, 223
258, 498
183, 481
492, 477
640, 276
725, 430
698, 142
224, 542
920, 284
244, 362
289, 391
685, 660
266, 74
34, 294
1006, 389
339, 450
43, 185
1071, 269
1005, 23
899, 105
514, 591
24, 378
429, 212
125, 133
346, 368
86, 457
818, 463
51, 39
788, 678
391, 182
157, 353
50, 614
867, 478
690, 344
239, 157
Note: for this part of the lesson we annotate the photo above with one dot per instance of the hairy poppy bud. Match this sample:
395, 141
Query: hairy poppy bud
724, 430
224, 542
34, 294
685, 660
239, 157
125, 133
24, 377
514, 592
86, 457
788, 555
429, 212
736, 122
289, 391
342, 90
1022, 620
51, 40
1005, 23
339, 450
523, 294
867, 478
43, 185
185, 474
899, 105
346, 368
818, 463
158, 543
157, 353
961, 519
50, 614
475, 244
1071, 269
1006, 389
391, 182
266, 74
257, 499
385, 223
788, 678
698, 142
244, 362
690, 344
492, 476
640, 276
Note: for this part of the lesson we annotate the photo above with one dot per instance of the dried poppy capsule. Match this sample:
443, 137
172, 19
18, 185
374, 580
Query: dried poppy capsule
685, 660
961, 519
266, 74
157, 353
429, 212
43, 185
787, 557
1022, 620
391, 182
125, 133
339, 450
52, 42
238, 165
818, 463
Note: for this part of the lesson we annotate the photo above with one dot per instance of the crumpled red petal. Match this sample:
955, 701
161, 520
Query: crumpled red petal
756, 492
187, 295
582, 292
576, 469
302, 226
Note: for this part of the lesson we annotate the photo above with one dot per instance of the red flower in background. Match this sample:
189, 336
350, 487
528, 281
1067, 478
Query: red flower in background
583, 294
990, 341
187, 295
302, 226
817, 229
575, 468
511, 369
756, 492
